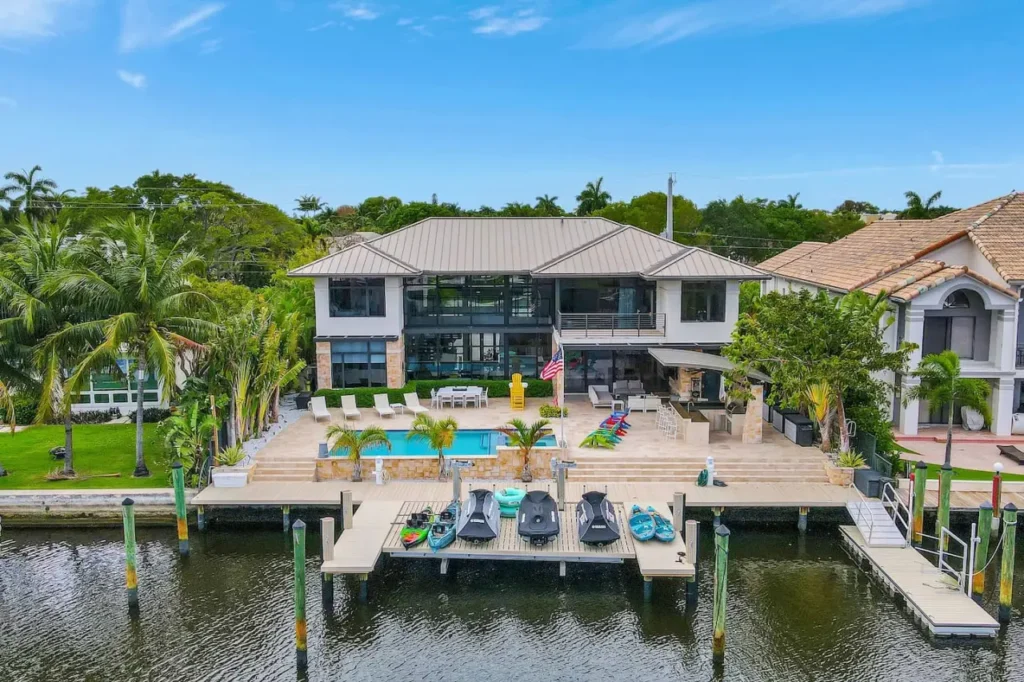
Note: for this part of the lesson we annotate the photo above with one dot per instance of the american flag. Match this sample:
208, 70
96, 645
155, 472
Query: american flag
553, 367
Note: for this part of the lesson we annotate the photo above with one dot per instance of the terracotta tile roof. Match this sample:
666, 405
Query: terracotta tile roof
1000, 237
790, 255
904, 277
936, 278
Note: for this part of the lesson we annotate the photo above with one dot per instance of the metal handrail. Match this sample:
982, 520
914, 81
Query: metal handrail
860, 515
944, 566
610, 324
890, 500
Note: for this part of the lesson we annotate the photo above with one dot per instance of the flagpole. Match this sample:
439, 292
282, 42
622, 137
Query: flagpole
561, 401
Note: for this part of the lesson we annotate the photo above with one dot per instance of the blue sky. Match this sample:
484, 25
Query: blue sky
488, 102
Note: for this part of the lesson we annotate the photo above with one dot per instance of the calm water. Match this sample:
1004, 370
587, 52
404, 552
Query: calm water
798, 610
468, 442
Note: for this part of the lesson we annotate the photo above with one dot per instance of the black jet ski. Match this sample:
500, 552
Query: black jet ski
538, 517
595, 519
479, 517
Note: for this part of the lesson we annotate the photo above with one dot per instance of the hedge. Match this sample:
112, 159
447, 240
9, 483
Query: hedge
496, 388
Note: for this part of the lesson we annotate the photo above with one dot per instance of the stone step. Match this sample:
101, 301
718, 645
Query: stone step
641, 478
267, 476
719, 464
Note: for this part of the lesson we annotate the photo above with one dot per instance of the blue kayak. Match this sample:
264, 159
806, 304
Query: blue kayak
663, 529
442, 532
641, 524
509, 500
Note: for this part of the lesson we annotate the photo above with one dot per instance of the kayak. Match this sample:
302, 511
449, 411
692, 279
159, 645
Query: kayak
641, 524
442, 532
416, 528
663, 529
509, 500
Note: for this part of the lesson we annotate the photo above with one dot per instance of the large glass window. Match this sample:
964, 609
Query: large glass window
475, 355
358, 364
703, 302
623, 296
476, 300
612, 368
357, 297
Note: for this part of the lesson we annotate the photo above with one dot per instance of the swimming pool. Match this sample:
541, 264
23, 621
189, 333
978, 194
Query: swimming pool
468, 443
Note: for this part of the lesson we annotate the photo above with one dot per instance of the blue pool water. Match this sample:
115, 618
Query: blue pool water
468, 443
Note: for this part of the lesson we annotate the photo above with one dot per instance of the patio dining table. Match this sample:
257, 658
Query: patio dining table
461, 393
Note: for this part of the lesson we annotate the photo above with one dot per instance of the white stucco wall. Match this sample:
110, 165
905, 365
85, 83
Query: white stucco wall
964, 252
389, 325
677, 331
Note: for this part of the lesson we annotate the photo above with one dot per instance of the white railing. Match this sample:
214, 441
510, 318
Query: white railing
610, 324
966, 559
860, 516
900, 512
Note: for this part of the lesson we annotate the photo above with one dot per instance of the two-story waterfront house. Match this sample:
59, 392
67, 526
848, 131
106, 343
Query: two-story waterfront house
487, 297
954, 283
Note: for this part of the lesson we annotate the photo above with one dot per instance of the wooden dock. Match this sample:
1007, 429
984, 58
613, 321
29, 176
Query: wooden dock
358, 548
932, 596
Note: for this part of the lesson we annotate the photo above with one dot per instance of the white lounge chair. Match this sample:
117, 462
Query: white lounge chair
348, 407
318, 405
412, 403
600, 396
380, 403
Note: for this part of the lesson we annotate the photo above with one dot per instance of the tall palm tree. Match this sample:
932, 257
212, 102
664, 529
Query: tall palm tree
941, 384
525, 438
357, 442
36, 253
546, 205
7, 405
592, 198
791, 201
918, 209
143, 307
309, 203
27, 193
439, 434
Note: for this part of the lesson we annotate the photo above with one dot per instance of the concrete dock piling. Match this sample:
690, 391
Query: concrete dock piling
131, 578
648, 588
801, 522
692, 555
717, 511
327, 552
679, 512
942, 518
721, 581
981, 553
346, 510
920, 486
286, 521
201, 517
178, 477
1006, 569
299, 553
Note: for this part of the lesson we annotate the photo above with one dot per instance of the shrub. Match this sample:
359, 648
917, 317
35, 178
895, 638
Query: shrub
93, 416
851, 459
151, 415
25, 407
496, 388
553, 411
231, 456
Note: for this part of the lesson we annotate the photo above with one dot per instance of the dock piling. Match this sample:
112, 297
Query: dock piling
131, 578
718, 516
327, 551
1006, 570
178, 477
299, 553
560, 486
920, 475
801, 522
942, 519
561, 569
201, 517
721, 579
997, 493
648, 589
456, 483
346, 510
679, 512
363, 587
286, 513
981, 554
692, 555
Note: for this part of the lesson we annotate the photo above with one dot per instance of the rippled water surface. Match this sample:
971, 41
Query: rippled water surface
799, 609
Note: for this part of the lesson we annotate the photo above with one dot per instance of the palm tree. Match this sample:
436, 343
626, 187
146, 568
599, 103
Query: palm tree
308, 203
525, 438
188, 433
439, 433
357, 442
316, 231
791, 201
37, 251
546, 205
143, 307
33, 192
7, 405
917, 209
941, 384
592, 198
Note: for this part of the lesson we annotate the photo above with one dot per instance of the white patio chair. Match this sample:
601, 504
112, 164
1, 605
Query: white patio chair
380, 403
435, 400
412, 403
446, 398
482, 400
472, 398
348, 407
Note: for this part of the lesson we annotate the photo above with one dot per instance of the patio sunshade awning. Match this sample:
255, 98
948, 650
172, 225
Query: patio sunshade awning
676, 357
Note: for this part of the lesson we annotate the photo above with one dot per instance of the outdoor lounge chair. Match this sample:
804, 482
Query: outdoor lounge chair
412, 403
1011, 452
318, 405
348, 407
380, 403
600, 396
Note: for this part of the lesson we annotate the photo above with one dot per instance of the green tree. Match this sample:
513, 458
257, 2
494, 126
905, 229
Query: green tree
649, 212
308, 203
357, 442
143, 307
917, 209
941, 384
27, 193
516, 209
188, 434
592, 198
851, 206
7, 405
548, 206
439, 434
525, 437
316, 231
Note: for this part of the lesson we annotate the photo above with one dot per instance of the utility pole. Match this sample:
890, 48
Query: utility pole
668, 214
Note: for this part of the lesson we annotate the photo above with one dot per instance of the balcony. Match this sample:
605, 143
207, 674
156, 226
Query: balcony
1020, 356
605, 325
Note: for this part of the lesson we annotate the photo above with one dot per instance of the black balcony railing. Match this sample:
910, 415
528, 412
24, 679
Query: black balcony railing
576, 325
1020, 356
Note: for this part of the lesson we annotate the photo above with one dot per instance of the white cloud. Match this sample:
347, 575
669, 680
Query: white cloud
142, 26
136, 80
405, 21
422, 30
360, 11
210, 46
33, 19
660, 28
320, 27
491, 23
8, 102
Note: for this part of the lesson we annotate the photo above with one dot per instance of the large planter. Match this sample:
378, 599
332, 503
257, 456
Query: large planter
230, 477
839, 475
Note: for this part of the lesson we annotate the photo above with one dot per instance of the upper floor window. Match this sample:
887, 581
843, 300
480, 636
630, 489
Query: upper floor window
357, 297
703, 302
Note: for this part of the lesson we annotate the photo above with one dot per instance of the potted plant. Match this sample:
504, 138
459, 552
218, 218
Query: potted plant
227, 473
525, 438
440, 433
356, 442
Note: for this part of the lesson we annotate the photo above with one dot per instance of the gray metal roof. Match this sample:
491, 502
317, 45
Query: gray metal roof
677, 357
543, 247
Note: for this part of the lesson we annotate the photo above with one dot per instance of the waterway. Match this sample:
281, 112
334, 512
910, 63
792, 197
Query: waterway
799, 609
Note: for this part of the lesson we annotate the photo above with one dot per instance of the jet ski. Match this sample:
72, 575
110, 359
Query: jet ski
538, 517
641, 524
595, 519
442, 532
663, 529
416, 527
508, 501
479, 517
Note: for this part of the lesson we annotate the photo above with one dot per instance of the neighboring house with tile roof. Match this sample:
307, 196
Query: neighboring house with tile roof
485, 297
954, 282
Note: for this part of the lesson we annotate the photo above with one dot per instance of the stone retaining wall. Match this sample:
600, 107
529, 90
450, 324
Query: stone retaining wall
507, 464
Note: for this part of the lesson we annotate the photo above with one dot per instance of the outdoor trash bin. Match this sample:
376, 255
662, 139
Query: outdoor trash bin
302, 401
799, 429
779, 416
868, 481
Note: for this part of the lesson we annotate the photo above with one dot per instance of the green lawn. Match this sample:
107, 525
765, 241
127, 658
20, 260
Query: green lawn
969, 474
99, 449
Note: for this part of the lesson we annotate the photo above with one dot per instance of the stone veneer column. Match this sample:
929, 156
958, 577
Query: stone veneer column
323, 364
396, 362
753, 424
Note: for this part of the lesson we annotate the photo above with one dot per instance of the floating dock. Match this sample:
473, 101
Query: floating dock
932, 596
